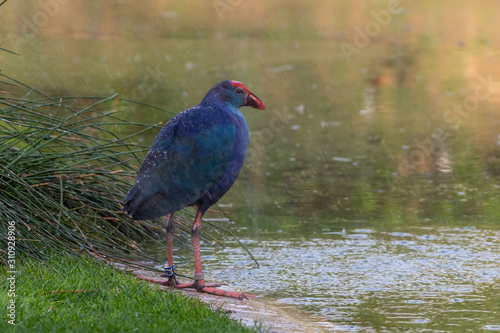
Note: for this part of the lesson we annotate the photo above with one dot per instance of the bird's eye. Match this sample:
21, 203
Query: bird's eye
239, 91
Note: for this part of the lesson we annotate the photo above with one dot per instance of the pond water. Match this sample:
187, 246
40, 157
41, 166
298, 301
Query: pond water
371, 189
365, 278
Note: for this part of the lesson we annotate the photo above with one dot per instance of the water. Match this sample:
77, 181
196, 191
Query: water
414, 279
371, 189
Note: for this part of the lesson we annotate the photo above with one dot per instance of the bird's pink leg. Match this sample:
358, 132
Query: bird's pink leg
195, 235
199, 279
172, 281
170, 227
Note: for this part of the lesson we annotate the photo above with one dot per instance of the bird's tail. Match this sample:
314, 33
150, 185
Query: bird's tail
144, 207
130, 203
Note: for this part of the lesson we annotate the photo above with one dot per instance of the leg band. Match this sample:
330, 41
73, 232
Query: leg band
170, 271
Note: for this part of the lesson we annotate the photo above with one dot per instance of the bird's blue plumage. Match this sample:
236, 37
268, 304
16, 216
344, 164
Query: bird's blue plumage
195, 158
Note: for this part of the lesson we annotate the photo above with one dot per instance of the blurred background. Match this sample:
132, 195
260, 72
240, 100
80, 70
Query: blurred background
371, 189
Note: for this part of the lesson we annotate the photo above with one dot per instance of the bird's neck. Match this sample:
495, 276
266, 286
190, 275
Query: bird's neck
235, 110
218, 104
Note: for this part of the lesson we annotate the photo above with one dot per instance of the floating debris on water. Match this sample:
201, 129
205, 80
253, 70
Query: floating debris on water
342, 159
283, 68
329, 123
299, 108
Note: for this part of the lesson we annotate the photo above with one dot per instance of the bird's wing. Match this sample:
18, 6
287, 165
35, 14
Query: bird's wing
189, 156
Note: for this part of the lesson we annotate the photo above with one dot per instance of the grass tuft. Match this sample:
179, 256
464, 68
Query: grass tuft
67, 163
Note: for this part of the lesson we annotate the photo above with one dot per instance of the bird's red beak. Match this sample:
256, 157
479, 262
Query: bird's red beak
254, 102
251, 100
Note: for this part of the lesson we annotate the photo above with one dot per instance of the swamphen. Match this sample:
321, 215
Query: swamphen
194, 161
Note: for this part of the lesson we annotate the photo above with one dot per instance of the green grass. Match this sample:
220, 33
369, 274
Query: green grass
114, 301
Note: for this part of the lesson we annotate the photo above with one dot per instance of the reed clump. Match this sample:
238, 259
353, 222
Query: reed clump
66, 163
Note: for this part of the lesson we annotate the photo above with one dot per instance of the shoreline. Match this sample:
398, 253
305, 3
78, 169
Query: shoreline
248, 311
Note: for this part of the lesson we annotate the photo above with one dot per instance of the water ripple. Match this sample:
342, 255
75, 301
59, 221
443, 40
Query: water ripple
432, 279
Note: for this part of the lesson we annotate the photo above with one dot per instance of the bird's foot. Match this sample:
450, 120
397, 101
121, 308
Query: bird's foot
211, 288
200, 286
172, 282
168, 282
226, 293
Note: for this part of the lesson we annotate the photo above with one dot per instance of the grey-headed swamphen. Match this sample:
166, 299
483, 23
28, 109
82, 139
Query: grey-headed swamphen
194, 161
